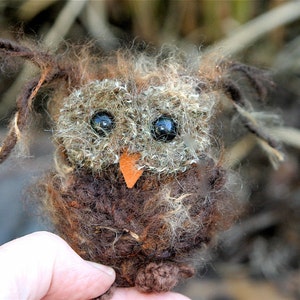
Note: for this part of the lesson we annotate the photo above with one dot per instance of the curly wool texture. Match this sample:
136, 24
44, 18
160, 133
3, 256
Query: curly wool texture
148, 233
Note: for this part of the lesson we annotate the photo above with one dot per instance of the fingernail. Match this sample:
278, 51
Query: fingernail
108, 270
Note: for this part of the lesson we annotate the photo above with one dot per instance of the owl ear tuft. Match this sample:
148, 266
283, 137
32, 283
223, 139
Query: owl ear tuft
51, 69
259, 82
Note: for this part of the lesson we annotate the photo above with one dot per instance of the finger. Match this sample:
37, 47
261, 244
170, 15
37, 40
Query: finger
74, 278
131, 293
42, 265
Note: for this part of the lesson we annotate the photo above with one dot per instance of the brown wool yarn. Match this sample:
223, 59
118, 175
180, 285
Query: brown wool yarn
138, 182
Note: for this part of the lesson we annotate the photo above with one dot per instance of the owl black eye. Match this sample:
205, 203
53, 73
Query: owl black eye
103, 123
164, 129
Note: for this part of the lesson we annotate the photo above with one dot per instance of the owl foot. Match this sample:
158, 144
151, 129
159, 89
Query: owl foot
161, 277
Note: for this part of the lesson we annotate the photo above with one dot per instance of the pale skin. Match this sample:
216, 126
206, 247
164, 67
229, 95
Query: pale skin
43, 266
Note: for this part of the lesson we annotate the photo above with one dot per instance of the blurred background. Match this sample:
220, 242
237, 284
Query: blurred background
260, 256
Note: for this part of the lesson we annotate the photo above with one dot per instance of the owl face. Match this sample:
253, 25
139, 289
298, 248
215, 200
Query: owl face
167, 125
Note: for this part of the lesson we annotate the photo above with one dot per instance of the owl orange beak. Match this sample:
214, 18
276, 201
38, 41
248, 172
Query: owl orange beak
128, 167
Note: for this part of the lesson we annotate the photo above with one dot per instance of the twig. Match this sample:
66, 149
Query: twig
246, 34
249, 226
64, 22
95, 19
30, 8
240, 150
286, 135
55, 35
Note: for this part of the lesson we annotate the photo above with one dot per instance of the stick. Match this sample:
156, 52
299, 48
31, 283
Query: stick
247, 34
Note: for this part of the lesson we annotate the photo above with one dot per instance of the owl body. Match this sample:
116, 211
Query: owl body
159, 223
176, 205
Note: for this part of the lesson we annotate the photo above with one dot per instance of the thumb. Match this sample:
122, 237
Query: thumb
42, 265
75, 278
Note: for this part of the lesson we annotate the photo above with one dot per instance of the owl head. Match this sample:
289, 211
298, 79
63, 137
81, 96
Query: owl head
161, 124
160, 106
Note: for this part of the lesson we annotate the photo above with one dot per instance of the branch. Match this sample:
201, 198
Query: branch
247, 34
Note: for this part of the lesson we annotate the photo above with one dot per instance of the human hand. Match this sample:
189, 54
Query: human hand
43, 266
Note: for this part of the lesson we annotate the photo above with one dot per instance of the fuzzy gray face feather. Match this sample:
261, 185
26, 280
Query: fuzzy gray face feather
155, 122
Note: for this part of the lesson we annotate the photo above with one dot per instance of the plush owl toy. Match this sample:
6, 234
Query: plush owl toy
138, 182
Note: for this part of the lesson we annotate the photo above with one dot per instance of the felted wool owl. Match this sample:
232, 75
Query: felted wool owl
138, 182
